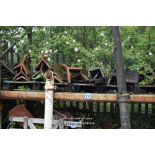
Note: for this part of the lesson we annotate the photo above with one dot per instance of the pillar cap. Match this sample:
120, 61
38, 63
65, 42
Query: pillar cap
48, 75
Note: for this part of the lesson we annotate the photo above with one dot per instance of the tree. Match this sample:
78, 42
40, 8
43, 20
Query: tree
84, 45
121, 84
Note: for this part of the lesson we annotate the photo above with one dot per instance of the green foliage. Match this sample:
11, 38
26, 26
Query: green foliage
24, 88
89, 47
39, 77
140, 123
137, 44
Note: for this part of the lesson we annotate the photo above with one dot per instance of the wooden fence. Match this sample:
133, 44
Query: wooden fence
143, 109
31, 122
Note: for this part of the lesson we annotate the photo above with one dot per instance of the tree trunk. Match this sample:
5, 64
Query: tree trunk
84, 36
121, 84
94, 32
29, 34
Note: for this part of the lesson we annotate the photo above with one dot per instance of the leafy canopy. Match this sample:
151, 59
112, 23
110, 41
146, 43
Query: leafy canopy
89, 47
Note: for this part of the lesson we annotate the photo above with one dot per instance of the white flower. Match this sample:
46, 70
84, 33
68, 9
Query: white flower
22, 41
50, 51
74, 41
96, 48
20, 29
30, 51
102, 34
78, 60
150, 53
48, 59
15, 47
131, 47
55, 51
65, 32
46, 51
17, 36
76, 49
34, 30
16, 51
106, 43
42, 52
67, 42
9, 44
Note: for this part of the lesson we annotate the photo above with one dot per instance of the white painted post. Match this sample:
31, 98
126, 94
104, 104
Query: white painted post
49, 88
61, 123
25, 124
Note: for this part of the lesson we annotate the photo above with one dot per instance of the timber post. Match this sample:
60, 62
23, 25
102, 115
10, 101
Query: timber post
1, 108
49, 88
123, 97
0, 101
